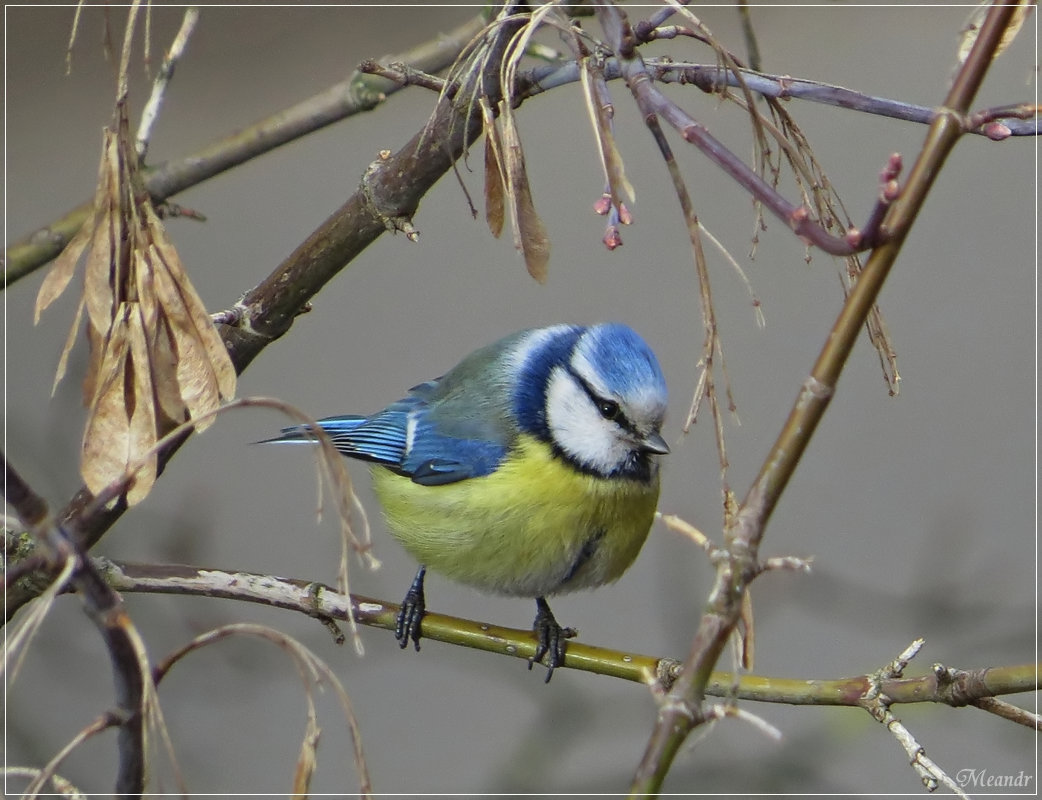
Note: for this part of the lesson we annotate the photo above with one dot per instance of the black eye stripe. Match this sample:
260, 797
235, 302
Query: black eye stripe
619, 417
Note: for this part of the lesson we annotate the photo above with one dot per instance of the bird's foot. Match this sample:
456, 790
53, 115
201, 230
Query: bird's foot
551, 639
410, 614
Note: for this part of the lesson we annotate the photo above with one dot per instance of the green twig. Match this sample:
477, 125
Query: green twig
941, 685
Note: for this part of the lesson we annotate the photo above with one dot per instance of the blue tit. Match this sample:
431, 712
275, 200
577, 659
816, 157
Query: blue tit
529, 469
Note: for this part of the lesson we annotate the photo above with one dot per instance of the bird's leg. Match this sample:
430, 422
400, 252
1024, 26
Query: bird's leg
551, 638
410, 615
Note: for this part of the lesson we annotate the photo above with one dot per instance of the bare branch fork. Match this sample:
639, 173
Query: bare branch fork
105, 608
655, 105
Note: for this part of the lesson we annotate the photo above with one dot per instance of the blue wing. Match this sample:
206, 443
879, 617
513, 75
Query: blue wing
406, 438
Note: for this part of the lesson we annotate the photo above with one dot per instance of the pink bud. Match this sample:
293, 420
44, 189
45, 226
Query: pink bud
997, 131
893, 168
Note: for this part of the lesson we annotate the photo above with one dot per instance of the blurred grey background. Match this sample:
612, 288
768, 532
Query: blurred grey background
918, 510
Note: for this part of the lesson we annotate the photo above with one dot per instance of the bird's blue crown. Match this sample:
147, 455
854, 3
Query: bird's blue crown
622, 362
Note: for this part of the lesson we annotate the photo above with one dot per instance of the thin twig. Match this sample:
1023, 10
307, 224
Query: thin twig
1019, 118
1013, 713
353, 96
166, 71
314, 673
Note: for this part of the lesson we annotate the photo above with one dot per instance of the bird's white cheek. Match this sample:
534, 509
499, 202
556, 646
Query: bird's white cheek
578, 428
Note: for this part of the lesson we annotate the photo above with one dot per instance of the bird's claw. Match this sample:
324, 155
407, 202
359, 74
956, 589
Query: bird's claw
551, 639
410, 614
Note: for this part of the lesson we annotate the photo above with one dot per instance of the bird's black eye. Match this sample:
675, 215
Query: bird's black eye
609, 408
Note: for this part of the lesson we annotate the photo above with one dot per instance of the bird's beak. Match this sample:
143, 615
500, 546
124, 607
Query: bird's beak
654, 443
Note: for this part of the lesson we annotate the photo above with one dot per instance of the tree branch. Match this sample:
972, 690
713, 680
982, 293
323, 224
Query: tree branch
105, 608
1019, 118
943, 686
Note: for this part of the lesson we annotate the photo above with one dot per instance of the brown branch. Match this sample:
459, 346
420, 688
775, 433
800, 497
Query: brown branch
105, 608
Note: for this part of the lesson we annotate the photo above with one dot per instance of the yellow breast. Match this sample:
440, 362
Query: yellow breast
535, 527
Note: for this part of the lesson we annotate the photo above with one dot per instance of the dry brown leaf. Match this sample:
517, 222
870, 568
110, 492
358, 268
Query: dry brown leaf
164, 253
494, 189
62, 270
144, 293
155, 357
98, 289
98, 279
195, 376
534, 240
106, 439
170, 409
307, 760
70, 340
494, 178
192, 320
530, 235
164, 376
142, 433
95, 349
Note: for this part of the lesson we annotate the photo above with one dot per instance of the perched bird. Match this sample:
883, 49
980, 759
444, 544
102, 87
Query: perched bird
528, 469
